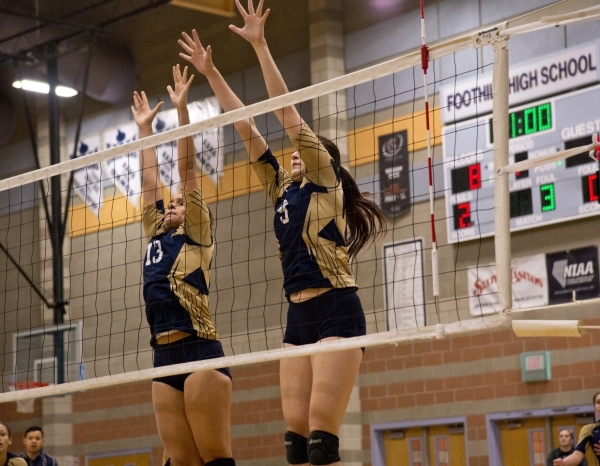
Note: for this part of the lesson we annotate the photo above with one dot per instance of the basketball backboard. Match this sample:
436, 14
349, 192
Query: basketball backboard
37, 358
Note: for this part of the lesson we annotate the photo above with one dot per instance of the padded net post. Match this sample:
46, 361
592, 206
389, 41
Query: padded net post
501, 182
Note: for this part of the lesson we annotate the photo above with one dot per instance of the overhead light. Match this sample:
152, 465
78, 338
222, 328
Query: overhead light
64, 91
44, 88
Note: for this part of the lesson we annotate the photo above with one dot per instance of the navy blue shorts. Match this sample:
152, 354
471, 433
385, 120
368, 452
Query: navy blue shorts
188, 349
337, 313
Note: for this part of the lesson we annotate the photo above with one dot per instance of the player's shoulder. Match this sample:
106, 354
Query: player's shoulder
16, 461
587, 429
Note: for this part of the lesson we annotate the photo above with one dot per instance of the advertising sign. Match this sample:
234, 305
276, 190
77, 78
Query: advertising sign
573, 271
529, 285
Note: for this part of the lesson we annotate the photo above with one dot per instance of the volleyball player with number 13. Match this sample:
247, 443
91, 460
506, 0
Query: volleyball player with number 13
192, 410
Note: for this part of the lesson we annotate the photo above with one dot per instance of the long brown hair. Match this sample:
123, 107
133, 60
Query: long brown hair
364, 218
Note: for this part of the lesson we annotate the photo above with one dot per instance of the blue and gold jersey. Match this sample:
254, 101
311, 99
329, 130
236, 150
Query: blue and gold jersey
588, 436
177, 269
309, 224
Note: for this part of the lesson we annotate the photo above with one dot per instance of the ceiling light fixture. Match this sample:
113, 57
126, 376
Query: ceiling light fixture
44, 88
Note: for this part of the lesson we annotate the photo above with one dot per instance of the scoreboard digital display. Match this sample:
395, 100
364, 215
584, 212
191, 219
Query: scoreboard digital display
527, 121
466, 178
556, 192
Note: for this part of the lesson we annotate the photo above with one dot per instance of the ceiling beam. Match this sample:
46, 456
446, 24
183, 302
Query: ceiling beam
48, 20
215, 7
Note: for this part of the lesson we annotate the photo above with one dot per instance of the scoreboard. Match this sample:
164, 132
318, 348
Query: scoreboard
555, 192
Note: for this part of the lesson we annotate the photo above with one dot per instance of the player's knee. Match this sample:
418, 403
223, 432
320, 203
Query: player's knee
221, 462
323, 448
296, 451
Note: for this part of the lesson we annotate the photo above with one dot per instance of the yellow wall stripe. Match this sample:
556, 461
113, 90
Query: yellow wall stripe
239, 179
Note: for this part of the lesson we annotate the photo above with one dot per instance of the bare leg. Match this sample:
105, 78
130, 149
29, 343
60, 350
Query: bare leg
207, 397
333, 380
296, 381
173, 428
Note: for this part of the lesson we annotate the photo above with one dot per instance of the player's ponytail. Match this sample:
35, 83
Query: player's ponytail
364, 219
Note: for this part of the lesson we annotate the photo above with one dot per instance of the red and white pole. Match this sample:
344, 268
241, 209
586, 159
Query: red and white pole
434, 252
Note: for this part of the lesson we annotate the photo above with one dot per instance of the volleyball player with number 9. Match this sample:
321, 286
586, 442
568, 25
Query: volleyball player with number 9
192, 410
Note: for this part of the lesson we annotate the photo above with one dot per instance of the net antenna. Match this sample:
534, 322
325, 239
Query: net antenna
496, 37
435, 273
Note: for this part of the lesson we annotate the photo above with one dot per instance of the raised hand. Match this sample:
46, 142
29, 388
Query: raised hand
197, 55
182, 85
142, 112
254, 22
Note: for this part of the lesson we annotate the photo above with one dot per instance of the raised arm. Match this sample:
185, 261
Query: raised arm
186, 152
254, 32
144, 116
201, 58
574, 459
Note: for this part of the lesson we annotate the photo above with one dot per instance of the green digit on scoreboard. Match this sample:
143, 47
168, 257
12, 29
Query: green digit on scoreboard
513, 125
544, 117
548, 200
530, 123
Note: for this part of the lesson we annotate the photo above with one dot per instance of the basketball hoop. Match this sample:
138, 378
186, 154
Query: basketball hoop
25, 406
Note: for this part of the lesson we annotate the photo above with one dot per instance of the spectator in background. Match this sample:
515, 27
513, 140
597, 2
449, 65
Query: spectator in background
34, 454
565, 448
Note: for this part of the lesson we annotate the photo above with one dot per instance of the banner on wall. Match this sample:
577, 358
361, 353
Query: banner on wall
209, 144
571, 271
167, 153
87, 181
529, 285
394, 179
404, 284
124, 171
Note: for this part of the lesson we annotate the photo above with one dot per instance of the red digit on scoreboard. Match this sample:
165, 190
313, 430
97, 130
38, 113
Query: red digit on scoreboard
464, 220
592, 180
474, 176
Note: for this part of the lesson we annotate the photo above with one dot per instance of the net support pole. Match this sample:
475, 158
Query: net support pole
500, 88
56, 230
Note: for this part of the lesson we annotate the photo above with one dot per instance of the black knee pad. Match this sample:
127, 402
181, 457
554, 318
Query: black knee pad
323, 448
221, 462
296, 451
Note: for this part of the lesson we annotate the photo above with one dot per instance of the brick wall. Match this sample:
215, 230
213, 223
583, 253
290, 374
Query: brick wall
467, 376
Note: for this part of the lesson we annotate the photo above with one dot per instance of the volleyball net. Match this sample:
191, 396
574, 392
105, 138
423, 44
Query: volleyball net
434, 155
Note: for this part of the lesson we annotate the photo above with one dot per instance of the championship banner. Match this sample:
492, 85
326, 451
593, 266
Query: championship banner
573, 271
209, 144
124, 170
404, 284
394, 180
167, 153
87, 181
529, 285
